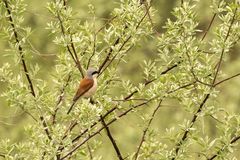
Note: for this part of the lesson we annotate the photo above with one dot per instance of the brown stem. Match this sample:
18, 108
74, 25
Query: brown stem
60, 98
223, 50
20, 49
74, 54
146, 129
112, 139
195, 116
229, 78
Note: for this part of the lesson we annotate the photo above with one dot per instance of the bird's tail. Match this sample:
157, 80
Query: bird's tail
71, 107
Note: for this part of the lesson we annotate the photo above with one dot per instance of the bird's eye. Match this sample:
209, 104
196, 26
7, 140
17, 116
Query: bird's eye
95, 72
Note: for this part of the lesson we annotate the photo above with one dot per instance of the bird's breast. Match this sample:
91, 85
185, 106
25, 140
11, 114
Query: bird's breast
92, 90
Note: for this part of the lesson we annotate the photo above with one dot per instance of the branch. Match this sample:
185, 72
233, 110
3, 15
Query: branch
99, 130
223, 50
60, 98
117, 42
235, 139
95, 34
229, 78
108, 55
20, 50
75, 59
195, 116
112, 140
146, 129
210, 24
115, 119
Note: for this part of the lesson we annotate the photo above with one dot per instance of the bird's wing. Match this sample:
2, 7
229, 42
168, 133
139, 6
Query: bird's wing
85, 85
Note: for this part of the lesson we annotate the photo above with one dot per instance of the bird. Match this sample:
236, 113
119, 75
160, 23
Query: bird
87, 86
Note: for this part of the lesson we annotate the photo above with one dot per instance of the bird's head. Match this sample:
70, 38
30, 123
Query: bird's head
92, 73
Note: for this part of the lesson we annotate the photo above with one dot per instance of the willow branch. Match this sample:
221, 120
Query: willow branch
20, 50
227, 79
234, 140
223, 50
112, 139
195, 116
74, 53
60, 98
146, 129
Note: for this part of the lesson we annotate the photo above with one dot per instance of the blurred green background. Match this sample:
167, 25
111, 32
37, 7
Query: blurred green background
13, 120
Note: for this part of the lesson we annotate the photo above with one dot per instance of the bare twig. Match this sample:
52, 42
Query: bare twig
89, 151
229, 78
210, 24
112, 139
146, 129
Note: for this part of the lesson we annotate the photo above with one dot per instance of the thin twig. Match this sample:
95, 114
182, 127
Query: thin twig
89, 151
112, 139
146, 129
223, 50
60, 98
235, 139
73, 54
2, 155
229, 78
209, 26
45, 127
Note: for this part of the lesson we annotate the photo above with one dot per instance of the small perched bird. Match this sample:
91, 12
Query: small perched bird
87, 86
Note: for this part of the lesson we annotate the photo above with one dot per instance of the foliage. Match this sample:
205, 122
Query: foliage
186, 70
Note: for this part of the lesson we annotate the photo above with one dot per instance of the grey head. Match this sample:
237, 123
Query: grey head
92, 73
